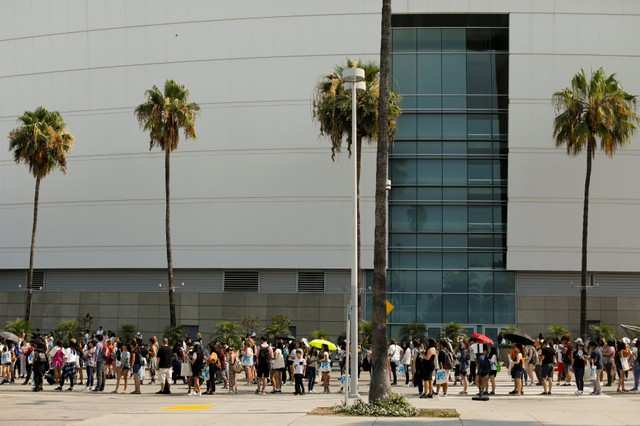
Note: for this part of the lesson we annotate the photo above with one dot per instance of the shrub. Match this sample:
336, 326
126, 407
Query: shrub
229, 333
18, 327
67, 330
558, 331
174, 334
453, 330
393, 406
320, 334
128, 332
280, 326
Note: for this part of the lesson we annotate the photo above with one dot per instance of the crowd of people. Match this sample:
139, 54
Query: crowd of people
431, 366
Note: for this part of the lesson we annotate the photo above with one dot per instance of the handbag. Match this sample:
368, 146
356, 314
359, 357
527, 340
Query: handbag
185, 370
624, 363
593, 373
441, 377
237, 367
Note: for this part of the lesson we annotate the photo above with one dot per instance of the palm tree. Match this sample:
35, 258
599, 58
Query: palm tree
163, 115
229, 333
413, 330
332, 110
280, 326
591, 110
42, 142
379, 387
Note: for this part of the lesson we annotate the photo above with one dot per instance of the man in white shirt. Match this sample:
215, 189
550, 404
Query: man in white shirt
395, 353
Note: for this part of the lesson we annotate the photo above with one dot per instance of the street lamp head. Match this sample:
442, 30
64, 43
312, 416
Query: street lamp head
351, 76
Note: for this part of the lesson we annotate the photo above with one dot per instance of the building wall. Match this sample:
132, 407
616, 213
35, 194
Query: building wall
115, 298
256, 189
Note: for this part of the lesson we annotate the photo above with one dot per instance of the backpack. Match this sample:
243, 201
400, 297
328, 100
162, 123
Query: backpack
263, 356
447, 363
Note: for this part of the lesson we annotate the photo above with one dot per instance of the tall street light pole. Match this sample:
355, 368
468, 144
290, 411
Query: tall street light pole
354, 81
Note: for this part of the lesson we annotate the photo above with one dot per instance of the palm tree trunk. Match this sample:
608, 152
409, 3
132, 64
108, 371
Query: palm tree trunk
360, 279
585, 230
27, 308
167, 225
379, 387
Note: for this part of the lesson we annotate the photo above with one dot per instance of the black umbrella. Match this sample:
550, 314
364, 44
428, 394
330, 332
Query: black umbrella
7, 335
521, 338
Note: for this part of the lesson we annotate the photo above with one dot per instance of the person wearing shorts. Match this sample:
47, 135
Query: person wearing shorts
548, 362
264, 356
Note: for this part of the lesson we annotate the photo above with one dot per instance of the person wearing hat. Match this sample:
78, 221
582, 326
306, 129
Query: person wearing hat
579, 363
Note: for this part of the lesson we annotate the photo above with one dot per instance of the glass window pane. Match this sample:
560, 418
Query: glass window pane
403, 171
480, 282
402, 260
429, 218
429, 172
429, 194
454, 219
429, 39
454, 194
499, 171
480, 219
454, 282
454, 39
454, 148
430, 147
429, 73
480, 260
480, 148
429, 281
480, 126
481, 309
481, 73
454, 126
402, 240
368, 301
404, 39
499, 218
403, 281
481, 241
429, 261
403, 218
402, 194
454, 261
454, 73
407, 127
429, 308
480, 39
454, 172
454, 308
403, 147
404, 73
502, 73
480, 171
454, 241
480, 194
429, 240
429, 126
429, 102
404, 308
499, 260
504, 309
505, 282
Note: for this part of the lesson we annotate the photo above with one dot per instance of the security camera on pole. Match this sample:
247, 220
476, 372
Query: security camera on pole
353, 79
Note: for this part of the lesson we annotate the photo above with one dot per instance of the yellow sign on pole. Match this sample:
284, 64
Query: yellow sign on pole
389, 306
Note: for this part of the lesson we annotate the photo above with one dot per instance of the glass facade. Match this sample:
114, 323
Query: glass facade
448, 167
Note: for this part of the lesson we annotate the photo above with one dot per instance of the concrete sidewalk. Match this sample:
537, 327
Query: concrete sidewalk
19, 406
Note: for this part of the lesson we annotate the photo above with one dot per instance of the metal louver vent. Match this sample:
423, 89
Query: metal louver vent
38, 280
241, 281
310, 282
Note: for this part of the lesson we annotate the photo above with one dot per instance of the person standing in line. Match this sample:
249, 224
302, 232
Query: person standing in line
263, 364
247, 362
125, 365
235, 368
312, 368
532, 361
299, 370
567, 355
117, 355
277, 370
89, 356
325, 369
40, 362
100, 364
136, 365
153, 358
484, 368
517, 371
431, 357
475, 349
608, 353
493, 369
464, 356
395, 354
549, 361
197, 364
635, 364
445, 361
164, 358
213, 363
407, 358
595, 357
69, 367
579, 358
621, 360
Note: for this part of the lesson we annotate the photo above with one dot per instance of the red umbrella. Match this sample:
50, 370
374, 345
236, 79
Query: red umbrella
481, 338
